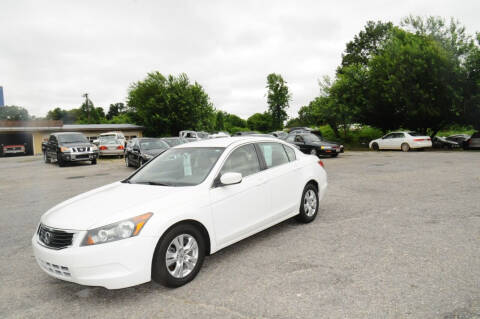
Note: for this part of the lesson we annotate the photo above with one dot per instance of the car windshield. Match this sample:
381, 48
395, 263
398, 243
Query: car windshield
202, 134
108, 139
173, 141
312, 138
72, 138
153, 144
178, 167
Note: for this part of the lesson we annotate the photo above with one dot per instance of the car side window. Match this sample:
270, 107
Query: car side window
290, 153
391, 135
399, 135
243, 160
274, 154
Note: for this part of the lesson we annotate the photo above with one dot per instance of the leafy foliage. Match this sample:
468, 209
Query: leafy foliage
261, 122
167, 105
14, 113
278, 99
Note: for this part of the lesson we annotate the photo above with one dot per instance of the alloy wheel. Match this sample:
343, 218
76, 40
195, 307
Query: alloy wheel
310, 203
181, 256
313, 151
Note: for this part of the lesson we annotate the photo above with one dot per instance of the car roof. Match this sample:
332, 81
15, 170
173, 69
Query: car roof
227, 141
64, 133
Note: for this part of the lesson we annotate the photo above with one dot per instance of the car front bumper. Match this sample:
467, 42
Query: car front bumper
79, 156
114, 265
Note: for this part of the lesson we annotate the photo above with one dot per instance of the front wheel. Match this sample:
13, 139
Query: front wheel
127, 161
46, 159
309, 204
94, 161
60, 161
179, 256
313, 151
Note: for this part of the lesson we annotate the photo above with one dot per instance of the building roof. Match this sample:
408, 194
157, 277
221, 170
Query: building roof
54, 126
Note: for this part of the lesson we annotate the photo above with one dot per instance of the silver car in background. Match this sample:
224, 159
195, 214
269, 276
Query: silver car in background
109, 145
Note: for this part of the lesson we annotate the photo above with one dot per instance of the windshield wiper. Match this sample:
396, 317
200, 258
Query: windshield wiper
152, 183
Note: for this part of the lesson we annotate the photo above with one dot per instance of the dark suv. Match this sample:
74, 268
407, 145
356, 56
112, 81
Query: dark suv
69, 147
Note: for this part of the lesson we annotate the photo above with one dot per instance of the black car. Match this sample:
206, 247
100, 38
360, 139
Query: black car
174, 141
143, 150
303, 129
280, 134
245, 133
69, 147
444, 142
310, 143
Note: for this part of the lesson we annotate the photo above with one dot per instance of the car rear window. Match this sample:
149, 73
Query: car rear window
415, 134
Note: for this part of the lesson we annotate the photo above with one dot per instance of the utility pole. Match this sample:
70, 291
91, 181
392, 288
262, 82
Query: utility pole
86, 104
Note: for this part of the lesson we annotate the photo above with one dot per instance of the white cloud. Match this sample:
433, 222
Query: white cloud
53, 51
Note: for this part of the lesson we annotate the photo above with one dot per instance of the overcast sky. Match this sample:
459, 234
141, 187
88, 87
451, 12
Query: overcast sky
51, 52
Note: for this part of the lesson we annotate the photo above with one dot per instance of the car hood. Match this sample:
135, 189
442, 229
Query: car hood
112, 203
76, 144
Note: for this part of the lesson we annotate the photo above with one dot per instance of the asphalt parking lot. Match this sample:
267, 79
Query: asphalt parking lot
398, 236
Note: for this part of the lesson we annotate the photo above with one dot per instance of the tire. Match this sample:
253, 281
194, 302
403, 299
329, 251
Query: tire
127, 161
375, 147
334, 155
94, 162
171, 275
60, 161
308, 204
405, 147
313, 152
140, 162
46, 159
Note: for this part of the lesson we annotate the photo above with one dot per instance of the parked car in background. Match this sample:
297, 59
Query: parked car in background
443, 142
117, 135
404, 141
304, 129
280, 134
69, 147
461, 139
189, 202
17, 149
109, 145
193, 136
219, 135
473, 142
245, 133
130, 143
143, 150
174, 141
310, 143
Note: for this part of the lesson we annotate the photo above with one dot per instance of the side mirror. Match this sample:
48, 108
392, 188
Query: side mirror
230, 178
96, 142
136, 148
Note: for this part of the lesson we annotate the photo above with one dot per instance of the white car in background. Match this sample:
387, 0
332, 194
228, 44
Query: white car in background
191, 201
404, 141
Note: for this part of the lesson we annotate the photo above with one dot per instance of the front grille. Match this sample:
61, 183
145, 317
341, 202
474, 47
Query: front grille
55, 269
54, 238
81, 149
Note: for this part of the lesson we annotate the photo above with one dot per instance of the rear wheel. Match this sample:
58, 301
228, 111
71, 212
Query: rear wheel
375, 147
309, 204
405, 147
179, 256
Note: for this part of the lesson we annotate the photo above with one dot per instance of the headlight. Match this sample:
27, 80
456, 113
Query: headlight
65, 149
94, 148
123, 229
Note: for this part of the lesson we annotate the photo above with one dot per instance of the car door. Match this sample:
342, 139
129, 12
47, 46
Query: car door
135, 154
300, 142
386, 142
52, 147
241, 209
281, 179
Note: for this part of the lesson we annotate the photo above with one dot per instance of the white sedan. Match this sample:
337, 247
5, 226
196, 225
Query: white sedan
404, 141
190, 201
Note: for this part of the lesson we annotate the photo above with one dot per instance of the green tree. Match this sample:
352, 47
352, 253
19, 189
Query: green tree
167, 105
14, 113
115, 110
278, 98
471, 87
260, 122
366, 44
411, 83
220, 120
234, 121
